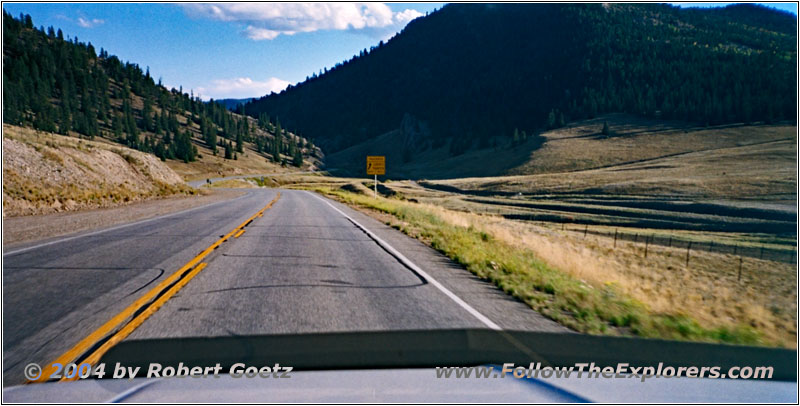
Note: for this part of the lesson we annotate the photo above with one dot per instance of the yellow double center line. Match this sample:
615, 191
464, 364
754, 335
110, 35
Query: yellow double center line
121, 325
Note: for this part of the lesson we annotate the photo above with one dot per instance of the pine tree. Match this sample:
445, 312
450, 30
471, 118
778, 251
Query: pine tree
228, 150
551, 119
147, 110
297, 159
183, 147
160, 150
276, 151
259, 144
117, 124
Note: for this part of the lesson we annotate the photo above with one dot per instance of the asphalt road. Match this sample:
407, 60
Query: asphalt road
306, 265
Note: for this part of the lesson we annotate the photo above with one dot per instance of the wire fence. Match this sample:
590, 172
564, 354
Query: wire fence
646, 240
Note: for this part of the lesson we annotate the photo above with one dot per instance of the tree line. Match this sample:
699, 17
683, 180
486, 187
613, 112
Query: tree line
65, 86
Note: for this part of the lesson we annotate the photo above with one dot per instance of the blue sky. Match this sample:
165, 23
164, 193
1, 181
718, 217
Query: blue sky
235, 50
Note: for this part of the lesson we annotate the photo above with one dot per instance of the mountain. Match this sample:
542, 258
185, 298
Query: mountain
232, 104
468, 75
65, 86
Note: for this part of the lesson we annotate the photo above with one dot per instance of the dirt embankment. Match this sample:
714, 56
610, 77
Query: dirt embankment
47, 173
25, 229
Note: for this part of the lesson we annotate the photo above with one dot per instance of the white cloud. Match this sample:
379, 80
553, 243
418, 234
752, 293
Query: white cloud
239, 88
89, 23
266, 21
259, 34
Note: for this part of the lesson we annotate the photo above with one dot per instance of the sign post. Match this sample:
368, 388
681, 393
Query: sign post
376, 165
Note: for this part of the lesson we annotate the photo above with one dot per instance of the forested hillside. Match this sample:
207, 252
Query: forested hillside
470, 72
62, 85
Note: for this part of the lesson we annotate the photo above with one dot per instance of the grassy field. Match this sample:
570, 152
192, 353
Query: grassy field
580, 146
234, 183
730, 189
722, 227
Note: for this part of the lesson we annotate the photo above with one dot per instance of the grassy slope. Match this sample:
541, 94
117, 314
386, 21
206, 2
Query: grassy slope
581, 146
647, 159
432, 163
762, 171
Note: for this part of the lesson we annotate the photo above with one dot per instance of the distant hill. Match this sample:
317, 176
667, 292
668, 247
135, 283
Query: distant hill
60, 85
467, 74
232, 104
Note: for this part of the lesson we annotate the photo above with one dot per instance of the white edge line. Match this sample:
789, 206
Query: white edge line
132, 391
485, 320
117, 227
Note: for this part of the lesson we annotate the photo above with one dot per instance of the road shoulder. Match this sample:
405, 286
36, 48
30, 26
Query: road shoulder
26, 230
503, 309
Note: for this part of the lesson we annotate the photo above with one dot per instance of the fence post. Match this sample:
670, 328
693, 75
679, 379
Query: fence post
711, 247
585, 228
688, 249
646, 245
739, 278
670, 241
761, 253
615, 238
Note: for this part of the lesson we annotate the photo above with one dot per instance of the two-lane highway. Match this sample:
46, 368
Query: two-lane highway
55, 294
305, 265
302, 268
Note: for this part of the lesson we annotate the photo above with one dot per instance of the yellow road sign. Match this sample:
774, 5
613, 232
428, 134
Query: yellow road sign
376, 165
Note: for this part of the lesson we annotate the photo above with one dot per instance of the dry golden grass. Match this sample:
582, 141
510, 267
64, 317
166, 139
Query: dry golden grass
766, 171
707, 290
233, 184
